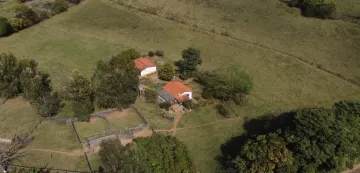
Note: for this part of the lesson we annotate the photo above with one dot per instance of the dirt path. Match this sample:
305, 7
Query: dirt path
72, 153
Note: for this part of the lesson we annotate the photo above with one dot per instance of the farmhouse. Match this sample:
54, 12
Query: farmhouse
145, 65
175, 92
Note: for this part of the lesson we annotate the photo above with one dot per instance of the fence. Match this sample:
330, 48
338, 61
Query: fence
18, 168
141, 116
60, 120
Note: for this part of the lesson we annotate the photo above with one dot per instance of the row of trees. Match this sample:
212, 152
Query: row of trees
23, 77
156, 154
307, 140
26, 17
114, 84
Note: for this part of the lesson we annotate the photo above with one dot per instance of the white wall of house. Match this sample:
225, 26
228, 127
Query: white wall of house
188, 93
148, 70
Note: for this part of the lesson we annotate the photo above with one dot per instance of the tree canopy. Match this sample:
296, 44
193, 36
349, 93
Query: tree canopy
318, 139
167, 71
315, 8
155, 154
79, 90
5, 27
22, 76
116, 82
191, 58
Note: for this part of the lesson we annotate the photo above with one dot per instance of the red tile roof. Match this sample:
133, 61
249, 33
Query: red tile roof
143, 63
182, 98
175, 88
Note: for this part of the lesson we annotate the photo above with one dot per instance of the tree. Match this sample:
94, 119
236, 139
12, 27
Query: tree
191, 59
9, 76
320, 140
59, 6
79, 87
159, 53
74, 1
188, 104
151, 54
315, 8
118, 159
151, 95
167, 71
116, 82
79, 90
225, 83
265, 153
163, 154
5, 27
165, 105
26, 16
129, 54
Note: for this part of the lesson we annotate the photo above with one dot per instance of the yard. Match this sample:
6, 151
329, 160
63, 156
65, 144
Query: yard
292, 60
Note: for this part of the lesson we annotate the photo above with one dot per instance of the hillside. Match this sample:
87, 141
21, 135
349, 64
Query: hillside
295, 61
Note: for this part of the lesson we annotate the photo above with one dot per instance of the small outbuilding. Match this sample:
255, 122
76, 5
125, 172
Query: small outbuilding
145, 65
175, 92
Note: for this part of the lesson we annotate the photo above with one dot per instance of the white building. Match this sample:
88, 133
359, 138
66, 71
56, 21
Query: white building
145, 65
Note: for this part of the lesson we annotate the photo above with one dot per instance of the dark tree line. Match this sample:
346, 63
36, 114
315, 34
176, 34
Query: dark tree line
323, 9
155, 154
306, 141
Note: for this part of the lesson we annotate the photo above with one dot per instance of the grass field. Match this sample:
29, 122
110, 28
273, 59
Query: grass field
89, 128
259, 32
130, 119
153, 114
54, 161
16, 118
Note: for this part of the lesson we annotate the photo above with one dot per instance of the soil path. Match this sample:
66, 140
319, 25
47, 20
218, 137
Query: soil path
72, 153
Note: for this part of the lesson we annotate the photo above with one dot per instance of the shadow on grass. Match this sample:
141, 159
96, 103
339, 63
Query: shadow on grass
253, 127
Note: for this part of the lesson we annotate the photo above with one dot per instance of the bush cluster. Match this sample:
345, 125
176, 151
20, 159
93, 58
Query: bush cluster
323, 9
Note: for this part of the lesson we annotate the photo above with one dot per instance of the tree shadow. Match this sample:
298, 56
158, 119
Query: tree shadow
253, 127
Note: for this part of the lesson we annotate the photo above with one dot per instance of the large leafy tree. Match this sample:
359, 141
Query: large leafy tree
320, 140
156, 154
225, 83
116, 82
79, 90
116, 158
265, 153
191, 58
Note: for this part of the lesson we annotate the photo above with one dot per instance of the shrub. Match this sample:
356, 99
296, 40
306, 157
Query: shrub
59, 6
150, 95
165, 105
27, 16
5, 27
188, 104
167, 71
159, 53
223, 110
17, 24
151, 54
74, 1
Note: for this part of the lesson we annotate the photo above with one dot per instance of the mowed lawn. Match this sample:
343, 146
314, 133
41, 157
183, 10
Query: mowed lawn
97, 29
